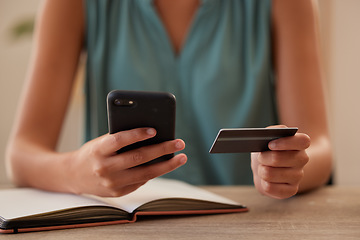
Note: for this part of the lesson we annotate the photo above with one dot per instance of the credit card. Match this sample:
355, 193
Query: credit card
238, 140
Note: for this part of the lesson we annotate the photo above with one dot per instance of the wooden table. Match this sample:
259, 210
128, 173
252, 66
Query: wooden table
327, 213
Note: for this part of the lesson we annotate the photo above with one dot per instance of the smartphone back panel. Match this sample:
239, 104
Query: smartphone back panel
133, 109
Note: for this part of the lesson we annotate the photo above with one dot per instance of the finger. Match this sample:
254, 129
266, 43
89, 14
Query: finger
295, 159
280, 175
277, 126
254, 168
299, 141
110, 143
147, 172
110, 188
254, 161
278, 190
145, 154
121, 191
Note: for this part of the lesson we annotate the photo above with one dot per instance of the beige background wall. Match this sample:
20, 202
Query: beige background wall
340, 36
341, 39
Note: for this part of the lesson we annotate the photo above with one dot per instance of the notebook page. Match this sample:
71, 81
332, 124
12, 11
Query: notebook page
164, 188
19, 202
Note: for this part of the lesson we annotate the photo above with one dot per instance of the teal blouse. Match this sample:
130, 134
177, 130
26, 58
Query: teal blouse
221, 79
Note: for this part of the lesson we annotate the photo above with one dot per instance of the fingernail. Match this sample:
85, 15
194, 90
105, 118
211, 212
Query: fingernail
272, 145
179, 145
182, 160
151, 131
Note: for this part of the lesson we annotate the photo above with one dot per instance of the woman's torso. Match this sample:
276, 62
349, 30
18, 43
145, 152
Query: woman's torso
220, 74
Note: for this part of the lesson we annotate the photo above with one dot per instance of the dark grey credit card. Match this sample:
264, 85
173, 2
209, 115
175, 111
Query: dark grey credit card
237, 140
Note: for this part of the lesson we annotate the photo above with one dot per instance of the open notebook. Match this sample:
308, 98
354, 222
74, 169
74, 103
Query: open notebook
26, 209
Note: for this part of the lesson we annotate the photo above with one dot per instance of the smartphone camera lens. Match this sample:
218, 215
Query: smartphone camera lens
123, 102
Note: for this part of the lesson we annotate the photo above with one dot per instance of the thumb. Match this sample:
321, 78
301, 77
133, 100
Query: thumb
254, 167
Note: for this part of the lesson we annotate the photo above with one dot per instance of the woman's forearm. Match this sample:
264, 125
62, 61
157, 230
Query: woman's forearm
31, 165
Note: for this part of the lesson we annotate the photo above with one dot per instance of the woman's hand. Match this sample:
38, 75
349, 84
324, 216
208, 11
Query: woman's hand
97, 169
277, 173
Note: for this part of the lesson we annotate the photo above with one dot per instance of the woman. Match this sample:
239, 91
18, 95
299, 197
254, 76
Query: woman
233, 63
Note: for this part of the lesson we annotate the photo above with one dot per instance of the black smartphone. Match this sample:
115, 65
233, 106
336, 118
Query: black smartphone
135, 109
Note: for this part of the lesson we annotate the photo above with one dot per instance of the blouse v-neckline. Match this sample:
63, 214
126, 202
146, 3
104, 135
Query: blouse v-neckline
165, 33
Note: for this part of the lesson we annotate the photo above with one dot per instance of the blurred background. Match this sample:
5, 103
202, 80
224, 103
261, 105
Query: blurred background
340, 38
